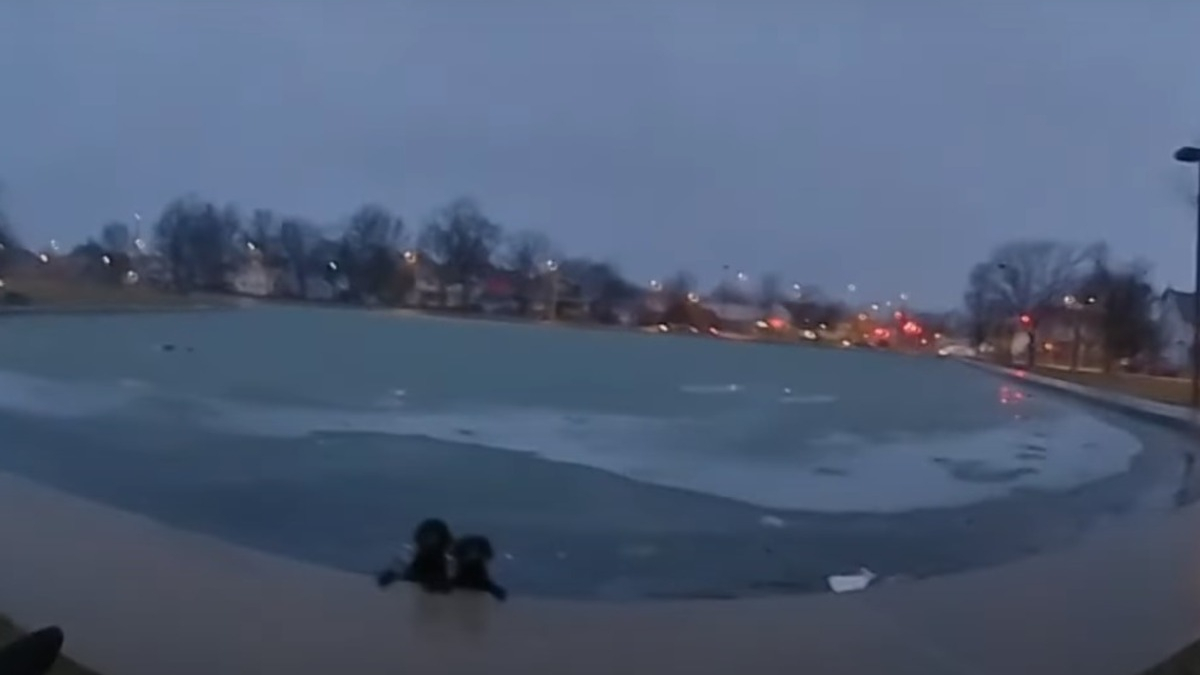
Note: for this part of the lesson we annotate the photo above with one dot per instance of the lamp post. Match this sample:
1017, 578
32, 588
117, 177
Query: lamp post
1191, 155
552, 278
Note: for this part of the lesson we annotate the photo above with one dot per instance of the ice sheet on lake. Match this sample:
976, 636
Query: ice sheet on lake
845, 473
51, 398
842, 473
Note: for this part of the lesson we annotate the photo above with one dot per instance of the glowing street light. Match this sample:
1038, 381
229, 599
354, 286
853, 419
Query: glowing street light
551, 265
904, 297
655, 285
410, 257
853, 288
741, 276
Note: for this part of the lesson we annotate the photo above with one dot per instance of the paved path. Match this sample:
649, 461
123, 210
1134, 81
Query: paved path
137, 598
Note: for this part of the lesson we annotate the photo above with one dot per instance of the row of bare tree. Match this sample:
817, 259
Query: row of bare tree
202, 244
1025, 285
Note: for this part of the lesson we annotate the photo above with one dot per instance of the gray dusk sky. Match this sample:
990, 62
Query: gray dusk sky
886, 143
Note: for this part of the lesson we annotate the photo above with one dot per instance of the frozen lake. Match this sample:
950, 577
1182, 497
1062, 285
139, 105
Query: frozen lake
601, 463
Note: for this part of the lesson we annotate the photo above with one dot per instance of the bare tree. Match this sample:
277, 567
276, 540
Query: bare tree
728, 292
294, 249
679, 286
1023, 277
527, 254
770, 290
1123, 310
9, 243
462, 240
116, 237
199, 241
369, 250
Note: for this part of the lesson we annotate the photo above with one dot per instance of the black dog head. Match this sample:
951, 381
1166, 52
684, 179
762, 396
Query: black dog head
428, 566
431, 535
472, 555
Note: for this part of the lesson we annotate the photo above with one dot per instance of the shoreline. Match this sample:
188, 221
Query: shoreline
51, 310
214, 301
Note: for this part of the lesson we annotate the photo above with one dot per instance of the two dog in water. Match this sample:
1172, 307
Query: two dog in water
440, 563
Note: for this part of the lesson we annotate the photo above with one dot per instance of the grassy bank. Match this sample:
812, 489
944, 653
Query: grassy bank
65, 666
49, 294
1173, 390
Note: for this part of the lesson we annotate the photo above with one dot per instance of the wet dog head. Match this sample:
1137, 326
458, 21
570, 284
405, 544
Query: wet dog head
473, 550
428, 565
432, 535
472, 555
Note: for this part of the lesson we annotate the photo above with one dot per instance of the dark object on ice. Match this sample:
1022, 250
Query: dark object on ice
428, 567
33, 654
472, 555
172, 347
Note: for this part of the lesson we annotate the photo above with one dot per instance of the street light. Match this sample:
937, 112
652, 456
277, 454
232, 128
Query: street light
1191, 155
551, 266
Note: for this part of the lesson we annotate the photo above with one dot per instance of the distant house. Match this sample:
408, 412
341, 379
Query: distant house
1176, 319
325, 285
253, 278
428, 289
498, 293
570, 301
736, 317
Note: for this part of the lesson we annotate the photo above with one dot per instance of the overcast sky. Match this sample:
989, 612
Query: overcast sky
877, 142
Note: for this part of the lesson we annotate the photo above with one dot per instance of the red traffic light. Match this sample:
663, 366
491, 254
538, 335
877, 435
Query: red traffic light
1026, 320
